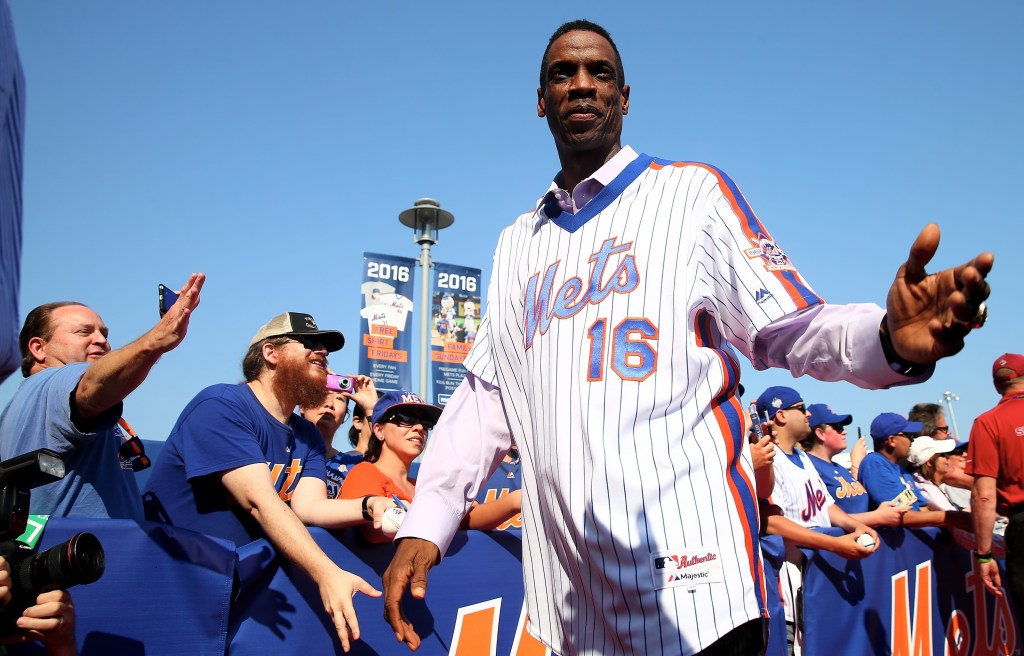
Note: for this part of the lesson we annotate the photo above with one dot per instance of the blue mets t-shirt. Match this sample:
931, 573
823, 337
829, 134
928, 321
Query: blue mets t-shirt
225, 427
847, 491
885, 480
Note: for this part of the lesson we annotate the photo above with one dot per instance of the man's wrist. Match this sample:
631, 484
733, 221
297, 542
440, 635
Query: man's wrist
896, 363
983, 557
366, 508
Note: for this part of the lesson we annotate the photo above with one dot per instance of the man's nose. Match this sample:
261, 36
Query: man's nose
583, 83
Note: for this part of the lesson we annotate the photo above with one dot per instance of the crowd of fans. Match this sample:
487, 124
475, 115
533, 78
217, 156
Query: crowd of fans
914, 477
212, 475
240, 463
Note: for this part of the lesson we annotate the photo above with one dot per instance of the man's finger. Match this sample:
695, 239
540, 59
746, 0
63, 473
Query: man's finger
395, 580
921, 252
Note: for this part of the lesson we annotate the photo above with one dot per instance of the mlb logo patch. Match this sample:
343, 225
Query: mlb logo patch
686, 567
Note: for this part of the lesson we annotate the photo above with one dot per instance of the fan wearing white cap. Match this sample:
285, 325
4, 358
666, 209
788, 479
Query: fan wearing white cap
240, 464
929, 463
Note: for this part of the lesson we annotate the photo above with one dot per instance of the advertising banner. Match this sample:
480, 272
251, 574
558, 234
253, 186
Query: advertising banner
386, 328
455, 317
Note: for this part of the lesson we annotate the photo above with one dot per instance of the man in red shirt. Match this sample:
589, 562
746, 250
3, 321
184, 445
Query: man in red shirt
996, 459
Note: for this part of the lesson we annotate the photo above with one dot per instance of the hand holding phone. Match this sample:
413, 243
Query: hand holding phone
167, 296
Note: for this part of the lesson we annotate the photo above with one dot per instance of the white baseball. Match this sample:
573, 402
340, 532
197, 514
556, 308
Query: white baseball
865, 540
391, 521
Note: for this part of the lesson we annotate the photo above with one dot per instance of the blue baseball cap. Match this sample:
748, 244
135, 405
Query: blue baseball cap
777, 398
405, 402
822, 414
890, 423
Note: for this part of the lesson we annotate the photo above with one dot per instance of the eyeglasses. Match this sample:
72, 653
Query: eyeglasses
309, 343
839, 428
132, 449
909, 436
407, 421
800, 407
944, 429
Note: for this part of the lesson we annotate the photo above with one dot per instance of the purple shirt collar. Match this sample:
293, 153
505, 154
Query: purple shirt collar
557, 200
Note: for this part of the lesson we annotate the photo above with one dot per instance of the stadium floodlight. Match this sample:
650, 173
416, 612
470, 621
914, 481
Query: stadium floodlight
426, 218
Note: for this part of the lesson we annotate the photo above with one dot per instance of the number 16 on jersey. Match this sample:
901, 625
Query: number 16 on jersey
630, 355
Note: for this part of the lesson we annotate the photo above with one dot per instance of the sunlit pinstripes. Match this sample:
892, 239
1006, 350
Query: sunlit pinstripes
618, 469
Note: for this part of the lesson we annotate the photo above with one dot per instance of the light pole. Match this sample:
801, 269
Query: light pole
426, 218
948, 398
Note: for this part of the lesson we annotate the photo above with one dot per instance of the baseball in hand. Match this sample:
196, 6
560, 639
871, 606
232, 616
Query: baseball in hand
864, 539
391, 521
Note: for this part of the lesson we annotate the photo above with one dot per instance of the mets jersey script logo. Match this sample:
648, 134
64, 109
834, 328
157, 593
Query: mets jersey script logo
625, 346
291, 473
688, 567
572, 297
815, 501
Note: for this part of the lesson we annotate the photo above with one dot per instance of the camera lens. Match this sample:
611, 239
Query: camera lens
79, 560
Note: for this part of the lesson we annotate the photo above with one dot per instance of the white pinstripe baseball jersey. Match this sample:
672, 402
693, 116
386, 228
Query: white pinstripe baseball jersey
608, 333
799, 490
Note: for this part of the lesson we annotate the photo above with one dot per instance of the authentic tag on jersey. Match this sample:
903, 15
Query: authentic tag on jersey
686, 567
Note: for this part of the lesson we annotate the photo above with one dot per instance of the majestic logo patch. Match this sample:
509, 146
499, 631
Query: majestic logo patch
762, 295
774, 257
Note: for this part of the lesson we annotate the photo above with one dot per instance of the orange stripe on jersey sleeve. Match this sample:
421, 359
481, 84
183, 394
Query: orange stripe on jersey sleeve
754, 231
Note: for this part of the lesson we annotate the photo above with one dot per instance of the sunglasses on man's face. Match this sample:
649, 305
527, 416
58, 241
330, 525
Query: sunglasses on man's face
309, 343
408, 421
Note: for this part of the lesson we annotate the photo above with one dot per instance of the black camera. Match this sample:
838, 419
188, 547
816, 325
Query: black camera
78, 560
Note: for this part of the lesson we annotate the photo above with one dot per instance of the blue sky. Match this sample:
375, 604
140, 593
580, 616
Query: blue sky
270, 144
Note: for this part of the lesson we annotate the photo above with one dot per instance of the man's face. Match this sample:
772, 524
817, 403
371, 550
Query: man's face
901, 445
581, 97
796, 421
941, 427
301, 373
79, 335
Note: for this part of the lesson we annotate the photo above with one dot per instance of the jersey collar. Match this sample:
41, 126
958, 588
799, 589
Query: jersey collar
603, 177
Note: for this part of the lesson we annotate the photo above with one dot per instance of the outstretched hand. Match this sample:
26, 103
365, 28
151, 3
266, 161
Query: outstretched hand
929, 315
413, 559
171, 328
337, 593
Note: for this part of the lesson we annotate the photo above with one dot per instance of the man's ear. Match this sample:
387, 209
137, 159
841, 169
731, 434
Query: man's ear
625, 99
36, 348
271, 354
541, 109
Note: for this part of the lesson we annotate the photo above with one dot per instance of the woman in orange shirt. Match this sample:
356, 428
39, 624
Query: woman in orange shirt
401, 423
